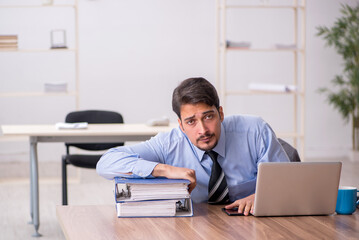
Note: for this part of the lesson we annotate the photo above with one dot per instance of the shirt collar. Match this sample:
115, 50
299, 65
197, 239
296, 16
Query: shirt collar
220, 148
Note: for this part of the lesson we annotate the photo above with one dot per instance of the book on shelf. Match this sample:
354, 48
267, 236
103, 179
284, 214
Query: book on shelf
8, 48
152, 197
3, 37
8, 42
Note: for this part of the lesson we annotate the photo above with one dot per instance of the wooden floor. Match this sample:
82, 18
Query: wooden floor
85, 188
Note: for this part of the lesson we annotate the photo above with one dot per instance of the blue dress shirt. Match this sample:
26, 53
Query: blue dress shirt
245, 141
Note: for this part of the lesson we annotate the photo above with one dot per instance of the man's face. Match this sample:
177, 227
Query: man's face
202, 124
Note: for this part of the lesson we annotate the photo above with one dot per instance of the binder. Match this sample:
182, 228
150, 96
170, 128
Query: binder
152, 197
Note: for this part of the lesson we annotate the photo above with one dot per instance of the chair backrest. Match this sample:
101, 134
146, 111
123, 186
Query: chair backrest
94, 116
291, 151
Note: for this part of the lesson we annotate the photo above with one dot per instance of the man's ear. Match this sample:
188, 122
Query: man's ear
221, 114
180, 124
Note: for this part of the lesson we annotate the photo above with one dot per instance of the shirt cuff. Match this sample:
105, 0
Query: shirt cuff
143, 168
242, 190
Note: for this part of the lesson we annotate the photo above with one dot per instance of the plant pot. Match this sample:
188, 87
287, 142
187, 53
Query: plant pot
353, 155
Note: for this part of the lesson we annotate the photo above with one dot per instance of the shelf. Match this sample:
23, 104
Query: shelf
297, 49
74, 50
40, 50
265, 49
252, 92
39, 6
266, 6
37, 94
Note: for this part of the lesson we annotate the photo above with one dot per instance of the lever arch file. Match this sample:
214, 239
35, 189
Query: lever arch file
153, 197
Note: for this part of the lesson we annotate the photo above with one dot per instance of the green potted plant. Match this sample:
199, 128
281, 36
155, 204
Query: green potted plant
344, 37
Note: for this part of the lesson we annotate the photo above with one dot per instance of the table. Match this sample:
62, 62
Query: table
208, 222
94, 133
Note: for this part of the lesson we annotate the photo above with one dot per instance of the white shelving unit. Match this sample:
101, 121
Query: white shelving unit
298, 80
75, 50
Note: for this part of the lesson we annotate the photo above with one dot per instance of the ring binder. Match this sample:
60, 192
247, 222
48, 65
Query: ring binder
152, 197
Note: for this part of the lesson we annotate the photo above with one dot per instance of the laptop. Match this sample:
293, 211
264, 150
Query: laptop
297, 188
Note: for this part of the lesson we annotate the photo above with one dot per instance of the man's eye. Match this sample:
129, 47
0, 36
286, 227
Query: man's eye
209, 116
190, 122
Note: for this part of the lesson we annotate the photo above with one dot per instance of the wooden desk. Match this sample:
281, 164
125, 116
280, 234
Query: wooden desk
94, 133
208, 222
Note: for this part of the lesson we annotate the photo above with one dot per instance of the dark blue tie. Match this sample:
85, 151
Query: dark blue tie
217, 186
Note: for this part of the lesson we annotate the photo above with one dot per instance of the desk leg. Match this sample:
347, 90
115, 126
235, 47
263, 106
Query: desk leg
34, 186
31, 191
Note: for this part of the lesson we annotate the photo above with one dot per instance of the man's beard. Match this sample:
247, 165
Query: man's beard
207, 135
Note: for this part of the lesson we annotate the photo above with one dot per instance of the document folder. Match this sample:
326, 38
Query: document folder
155, 208
152, 197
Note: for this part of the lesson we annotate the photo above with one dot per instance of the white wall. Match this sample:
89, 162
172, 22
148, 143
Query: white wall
327, 134
133, 54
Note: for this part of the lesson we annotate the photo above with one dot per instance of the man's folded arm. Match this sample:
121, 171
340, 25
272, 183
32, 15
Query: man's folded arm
168, 171
135, 161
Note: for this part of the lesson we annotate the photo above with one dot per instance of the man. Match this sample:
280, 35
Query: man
218, 155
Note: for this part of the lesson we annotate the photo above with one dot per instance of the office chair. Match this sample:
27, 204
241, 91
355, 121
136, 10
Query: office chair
83, 160
291, 151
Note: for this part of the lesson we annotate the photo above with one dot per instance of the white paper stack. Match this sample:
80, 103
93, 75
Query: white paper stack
147, 208
77, 125
55, 87
268, 87
158, 191
285, 46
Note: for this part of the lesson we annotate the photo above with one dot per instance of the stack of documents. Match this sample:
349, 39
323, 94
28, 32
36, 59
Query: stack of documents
76, 125
55, 87
147, 208
267, 87
8, 42
155, 197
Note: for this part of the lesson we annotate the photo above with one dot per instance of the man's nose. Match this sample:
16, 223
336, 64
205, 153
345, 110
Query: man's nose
202, 128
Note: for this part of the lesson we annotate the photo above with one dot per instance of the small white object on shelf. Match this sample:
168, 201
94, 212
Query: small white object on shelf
285, 46
164, 121
268, 87
55, 87
77, 125
58, 39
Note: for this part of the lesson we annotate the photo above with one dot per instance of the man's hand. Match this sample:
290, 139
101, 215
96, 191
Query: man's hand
168, 171
245, 205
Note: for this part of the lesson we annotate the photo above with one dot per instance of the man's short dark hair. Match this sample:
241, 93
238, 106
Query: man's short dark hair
193, 91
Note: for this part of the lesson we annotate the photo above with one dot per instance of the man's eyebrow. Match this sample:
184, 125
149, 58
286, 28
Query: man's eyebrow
187, 118
209, 111
204, 113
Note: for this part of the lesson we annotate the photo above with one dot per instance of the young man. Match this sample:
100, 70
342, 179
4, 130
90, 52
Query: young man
218, 155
